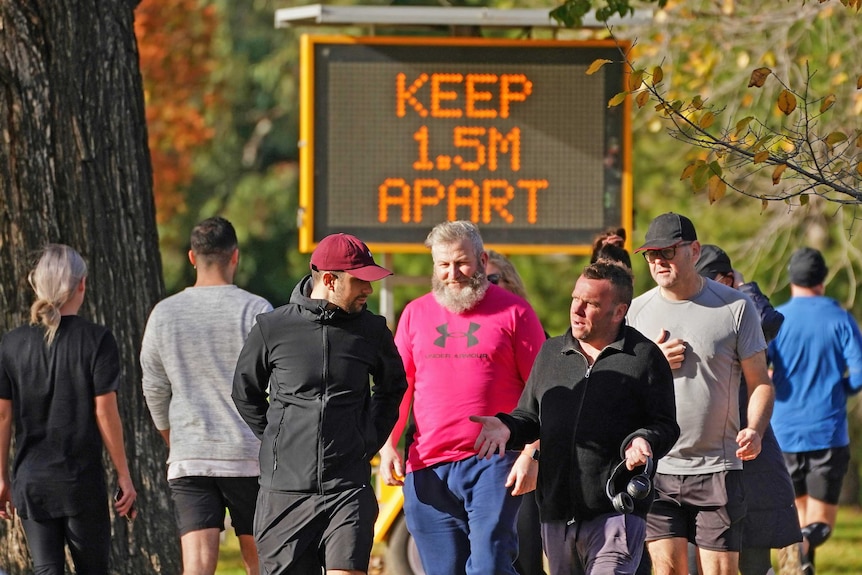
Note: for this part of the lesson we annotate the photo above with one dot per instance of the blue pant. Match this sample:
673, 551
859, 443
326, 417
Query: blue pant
463, 517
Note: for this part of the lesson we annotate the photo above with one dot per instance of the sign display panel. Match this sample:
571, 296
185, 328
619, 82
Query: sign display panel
399, 134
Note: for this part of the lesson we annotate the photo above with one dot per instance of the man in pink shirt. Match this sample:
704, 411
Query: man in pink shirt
468, 347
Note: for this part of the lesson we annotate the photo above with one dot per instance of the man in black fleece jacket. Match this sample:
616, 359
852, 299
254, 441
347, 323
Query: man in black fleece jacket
302, 385
598, 394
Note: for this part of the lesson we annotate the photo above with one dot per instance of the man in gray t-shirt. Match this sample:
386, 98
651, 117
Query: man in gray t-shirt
711, 336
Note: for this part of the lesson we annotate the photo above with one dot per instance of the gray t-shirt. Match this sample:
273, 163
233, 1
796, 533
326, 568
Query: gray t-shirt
720, 327
188, 356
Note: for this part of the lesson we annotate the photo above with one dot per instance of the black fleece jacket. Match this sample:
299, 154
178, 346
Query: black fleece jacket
321, 424
585, 417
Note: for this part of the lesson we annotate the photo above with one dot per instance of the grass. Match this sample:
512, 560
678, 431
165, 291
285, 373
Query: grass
838, 556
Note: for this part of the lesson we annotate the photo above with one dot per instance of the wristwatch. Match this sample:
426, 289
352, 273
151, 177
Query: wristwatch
535, 455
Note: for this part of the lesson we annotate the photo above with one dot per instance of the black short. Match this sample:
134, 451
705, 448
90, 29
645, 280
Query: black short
705, 509
300, 532
199, 502
819, 473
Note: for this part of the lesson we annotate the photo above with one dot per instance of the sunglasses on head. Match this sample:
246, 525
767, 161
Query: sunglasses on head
494, 278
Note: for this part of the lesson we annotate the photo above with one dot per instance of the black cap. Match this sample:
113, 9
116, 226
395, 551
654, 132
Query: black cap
713, 261
668, 230
807, 268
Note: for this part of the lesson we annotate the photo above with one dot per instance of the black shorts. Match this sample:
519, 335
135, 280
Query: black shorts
199, 502
819, 473
302, 533
705, 509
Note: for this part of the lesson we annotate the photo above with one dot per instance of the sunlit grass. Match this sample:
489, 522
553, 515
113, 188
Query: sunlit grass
839, 556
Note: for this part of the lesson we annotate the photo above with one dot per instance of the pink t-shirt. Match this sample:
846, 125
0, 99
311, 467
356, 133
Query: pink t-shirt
458, 365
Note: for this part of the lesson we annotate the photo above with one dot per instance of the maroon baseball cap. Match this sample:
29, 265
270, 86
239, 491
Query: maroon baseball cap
346, 253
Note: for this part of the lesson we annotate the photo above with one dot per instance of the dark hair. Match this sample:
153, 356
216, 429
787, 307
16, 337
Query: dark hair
214, 241
599, 240
620, 277
612, 253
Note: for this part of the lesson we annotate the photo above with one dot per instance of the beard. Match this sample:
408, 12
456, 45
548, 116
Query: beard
459, 301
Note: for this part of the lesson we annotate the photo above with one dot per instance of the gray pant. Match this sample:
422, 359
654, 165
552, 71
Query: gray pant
610, 544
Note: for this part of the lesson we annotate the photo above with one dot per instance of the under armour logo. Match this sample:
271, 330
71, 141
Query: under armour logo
443, 330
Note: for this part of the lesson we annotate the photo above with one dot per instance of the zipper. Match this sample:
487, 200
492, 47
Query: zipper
323, 399
275, 443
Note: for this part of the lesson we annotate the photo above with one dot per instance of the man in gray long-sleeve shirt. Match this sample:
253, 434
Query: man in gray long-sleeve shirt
188, 355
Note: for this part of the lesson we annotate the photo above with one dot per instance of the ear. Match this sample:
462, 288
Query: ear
483, 259
329, 280
234, 257
620, 312
192, 258
83, 285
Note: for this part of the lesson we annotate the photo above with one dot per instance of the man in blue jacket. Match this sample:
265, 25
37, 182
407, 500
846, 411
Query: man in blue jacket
302, 385
597, 395
817, 364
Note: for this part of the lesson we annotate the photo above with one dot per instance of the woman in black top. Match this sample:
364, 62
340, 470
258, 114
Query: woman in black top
58, 382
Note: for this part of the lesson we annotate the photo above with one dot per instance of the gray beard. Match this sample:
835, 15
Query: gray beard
465, 299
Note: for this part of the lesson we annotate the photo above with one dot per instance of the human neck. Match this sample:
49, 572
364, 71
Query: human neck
215, 276
684, 290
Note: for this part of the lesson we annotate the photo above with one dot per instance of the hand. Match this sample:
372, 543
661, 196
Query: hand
673, 349
523, 475
125, 503
492, 438
7, 510
637, 453
749, 442
391, 469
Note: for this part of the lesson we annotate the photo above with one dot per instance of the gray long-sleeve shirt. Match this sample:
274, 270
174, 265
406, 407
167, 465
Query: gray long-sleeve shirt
188, 356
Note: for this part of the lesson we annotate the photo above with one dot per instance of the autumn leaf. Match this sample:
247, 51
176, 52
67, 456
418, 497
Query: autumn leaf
803, 200
658, 75
618, 99
642, 99
635, 80
786, 102
859, 141
758, 77
763, 204
706, 120
835, 138
859, 168
776, 173
689, 170
597, 65
697, 102
700, 177
742, 125
827, 103
717, 189
761, 157
859, 83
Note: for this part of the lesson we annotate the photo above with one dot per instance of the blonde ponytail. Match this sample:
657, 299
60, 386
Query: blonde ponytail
54, 279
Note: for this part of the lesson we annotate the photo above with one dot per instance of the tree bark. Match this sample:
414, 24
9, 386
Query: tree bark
75, 169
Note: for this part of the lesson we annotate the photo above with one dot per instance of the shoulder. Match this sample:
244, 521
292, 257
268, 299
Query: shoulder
641, 301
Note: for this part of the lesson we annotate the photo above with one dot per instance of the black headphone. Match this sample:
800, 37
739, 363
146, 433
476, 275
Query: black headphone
638, 487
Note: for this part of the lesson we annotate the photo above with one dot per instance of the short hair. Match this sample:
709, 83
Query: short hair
508, 272
612, 253
456, 232
620, 277
57, 274
214, 241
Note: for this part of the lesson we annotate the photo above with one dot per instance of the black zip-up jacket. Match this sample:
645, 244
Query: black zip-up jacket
586, 416
322, 424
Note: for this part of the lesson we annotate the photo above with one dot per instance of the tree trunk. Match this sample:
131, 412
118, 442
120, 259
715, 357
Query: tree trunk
75, 169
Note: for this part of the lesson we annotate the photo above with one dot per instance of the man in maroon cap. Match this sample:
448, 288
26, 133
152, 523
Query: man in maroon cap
302, 385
